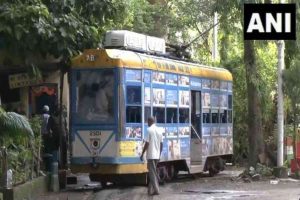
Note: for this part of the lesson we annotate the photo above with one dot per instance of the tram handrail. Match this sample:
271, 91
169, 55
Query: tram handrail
198, 136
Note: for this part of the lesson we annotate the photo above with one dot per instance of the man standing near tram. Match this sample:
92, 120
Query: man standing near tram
153, 146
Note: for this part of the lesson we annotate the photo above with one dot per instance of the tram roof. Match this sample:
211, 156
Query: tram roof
105, 58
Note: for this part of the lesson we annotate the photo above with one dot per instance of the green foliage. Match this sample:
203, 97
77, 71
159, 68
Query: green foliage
54, 27
13, 124
23, 141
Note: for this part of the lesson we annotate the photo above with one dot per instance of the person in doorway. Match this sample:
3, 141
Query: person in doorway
44, 129
57, 130
153, 146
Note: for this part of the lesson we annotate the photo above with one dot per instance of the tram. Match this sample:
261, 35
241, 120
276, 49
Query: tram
113, 92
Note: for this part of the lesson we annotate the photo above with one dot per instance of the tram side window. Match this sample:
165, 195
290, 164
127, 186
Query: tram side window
133, 95
133, 114
206, 116
223, 116
171, 115
215, 116
159, 114
133, 108
184, 115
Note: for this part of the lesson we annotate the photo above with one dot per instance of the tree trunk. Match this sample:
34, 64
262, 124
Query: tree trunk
255, 135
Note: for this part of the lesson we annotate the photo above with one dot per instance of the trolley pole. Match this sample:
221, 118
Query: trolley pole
280, 112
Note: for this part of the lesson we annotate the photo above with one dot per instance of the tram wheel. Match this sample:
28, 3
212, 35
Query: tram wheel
212, 171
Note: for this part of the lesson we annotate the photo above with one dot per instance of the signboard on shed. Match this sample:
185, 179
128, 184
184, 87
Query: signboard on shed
22, 80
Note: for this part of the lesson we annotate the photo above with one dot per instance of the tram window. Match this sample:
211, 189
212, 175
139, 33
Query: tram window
171, 115
147, 113
133, 114
215, 116
133, 95
223, 116
229, 116
95, 96
230, 101
159, 114
206, 115
184, 115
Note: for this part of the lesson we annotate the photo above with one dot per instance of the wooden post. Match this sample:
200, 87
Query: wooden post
4, 183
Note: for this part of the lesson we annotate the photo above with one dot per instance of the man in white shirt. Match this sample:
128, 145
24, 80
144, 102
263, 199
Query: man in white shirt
153, 146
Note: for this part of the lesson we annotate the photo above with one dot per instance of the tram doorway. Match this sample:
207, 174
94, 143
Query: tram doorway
196, 136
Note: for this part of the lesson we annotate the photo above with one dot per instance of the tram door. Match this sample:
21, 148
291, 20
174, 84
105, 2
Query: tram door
196, 143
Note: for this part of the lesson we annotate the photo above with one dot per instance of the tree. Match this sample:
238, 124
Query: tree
41, 29
291, 83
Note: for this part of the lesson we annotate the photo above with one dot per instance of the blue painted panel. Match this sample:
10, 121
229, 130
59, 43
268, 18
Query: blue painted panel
105, 160
185, 147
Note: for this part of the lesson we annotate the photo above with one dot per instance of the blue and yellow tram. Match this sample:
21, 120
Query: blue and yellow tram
114, 91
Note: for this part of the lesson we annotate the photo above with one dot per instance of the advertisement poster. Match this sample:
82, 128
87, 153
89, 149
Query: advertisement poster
223, 130
215, 84
164, 153
147, 96
206, 84
223, 85
214, 100
184, 131
229, 130
206, 100
158, 97
173, 149
215, 131
184, 81
147, 77
185, 148
206, 146
230, 87
222, 145
206, 131
223, 101
184, 98
171, 132
171, 79
133, 133
130, 148
172, 98
133, 75
158, 77
196, 82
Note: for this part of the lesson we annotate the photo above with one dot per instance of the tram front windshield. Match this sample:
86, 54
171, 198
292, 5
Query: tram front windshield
95, 96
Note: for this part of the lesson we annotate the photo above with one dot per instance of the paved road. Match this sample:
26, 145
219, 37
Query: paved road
209, 188
205, 188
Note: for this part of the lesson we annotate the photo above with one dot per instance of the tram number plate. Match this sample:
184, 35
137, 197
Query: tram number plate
95, 133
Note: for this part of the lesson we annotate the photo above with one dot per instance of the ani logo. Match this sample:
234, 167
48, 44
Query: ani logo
270, 21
